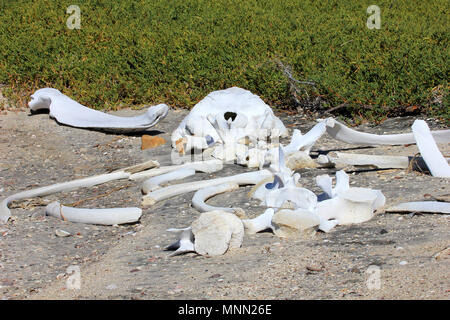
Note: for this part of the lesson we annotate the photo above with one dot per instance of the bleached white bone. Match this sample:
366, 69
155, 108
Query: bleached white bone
155, 182
69, 112
341, 132
110, 216
300, 198
71, 185
251, 111
428, 149
174, 190
307, 141
260, 223
325, 183
340, 159
208, 166
184, 244
289, 223
355, 205
199, 198
421, 206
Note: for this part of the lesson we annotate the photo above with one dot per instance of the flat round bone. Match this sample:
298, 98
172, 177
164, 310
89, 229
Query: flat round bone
69, 112
110, 216
216, 232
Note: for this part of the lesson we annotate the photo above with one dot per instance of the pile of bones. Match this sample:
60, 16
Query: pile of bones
234, 125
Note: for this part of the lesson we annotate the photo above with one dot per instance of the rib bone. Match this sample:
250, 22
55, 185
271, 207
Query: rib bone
71, 185
421, 206
198, 201
174, 190
341, 132
110, 216
428, 149
154, 183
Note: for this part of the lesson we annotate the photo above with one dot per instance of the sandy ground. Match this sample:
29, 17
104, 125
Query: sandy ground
390, 257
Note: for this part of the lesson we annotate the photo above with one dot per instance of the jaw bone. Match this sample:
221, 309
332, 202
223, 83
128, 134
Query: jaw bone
108, 217
341, 132
70, 112
174, 190
72, 185
185, 242
428, 149
199, 198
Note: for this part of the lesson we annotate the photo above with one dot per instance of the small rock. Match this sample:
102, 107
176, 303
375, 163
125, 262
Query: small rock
62, 233
383, 231
149, 142
402, 263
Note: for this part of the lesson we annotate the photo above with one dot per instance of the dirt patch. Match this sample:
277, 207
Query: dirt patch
128, 262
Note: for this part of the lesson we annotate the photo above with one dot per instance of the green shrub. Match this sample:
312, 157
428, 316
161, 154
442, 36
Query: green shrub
177, 51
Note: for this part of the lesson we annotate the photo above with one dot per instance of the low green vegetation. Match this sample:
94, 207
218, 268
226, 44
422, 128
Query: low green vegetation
176, 51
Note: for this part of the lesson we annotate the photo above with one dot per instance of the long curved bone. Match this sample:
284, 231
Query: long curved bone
208, 166
421, 206
307, 141
68, 111
260, 223
175, 190
72, 185
340, 159
185, 242
107, 217
153, 184
428, 149
343, 133
199, 198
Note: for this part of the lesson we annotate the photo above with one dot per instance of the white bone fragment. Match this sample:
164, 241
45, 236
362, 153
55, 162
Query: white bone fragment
155, 182
356, 205
340, 159
233, 108
260, 223
379, 162
208, 166
199, 198
174, 190
325, 182
185, 242
299, 160
291, 223
108, 217
421, 206
69, 112
341, 132
216, 232
307, 141
327, 225
71, 185
428, 149
291, 197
